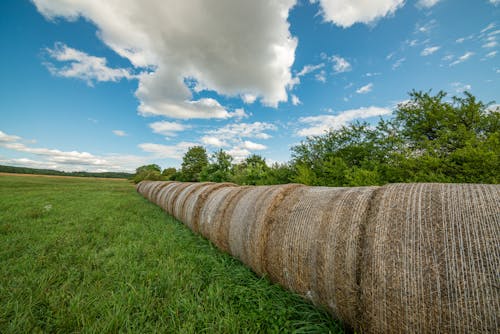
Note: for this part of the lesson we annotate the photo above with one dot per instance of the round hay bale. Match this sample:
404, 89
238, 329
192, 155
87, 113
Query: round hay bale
148, 188
155, 193
312, 245
164, 192
171, 199
249, 224
151, 193
195, 202
215, 215
139, 186
182, 199
431, 260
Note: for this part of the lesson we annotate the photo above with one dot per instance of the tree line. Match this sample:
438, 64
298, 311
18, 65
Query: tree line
429, 139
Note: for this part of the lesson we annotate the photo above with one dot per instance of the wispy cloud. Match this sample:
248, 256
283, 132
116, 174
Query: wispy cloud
120, 133
365, 89
340, 65
429, 50
398, 63
462, 58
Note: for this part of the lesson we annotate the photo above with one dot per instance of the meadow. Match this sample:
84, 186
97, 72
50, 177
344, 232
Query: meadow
91, 255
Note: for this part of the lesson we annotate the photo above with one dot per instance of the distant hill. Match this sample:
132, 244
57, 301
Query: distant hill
25, 170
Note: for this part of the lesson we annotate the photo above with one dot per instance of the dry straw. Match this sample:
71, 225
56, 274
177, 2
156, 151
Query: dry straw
402, 258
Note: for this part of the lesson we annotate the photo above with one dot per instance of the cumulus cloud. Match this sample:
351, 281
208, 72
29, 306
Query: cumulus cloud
345, 13
251, 146
495, 2
231, 47
168, 129
462, 58
429, 50
322, 123
167, 151
78, 64
213, 141
120, 133
304, 71
365, 89
235, 136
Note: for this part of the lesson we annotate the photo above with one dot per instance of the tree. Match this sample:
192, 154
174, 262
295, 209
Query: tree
169, 173
252, 171
429, 139
193, 163
147, 172
219, 168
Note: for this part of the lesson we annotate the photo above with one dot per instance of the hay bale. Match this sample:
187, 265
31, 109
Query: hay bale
432, 260
182, 200
196, 201
249, 223
164, 192
215, 215
398, 258
312, 245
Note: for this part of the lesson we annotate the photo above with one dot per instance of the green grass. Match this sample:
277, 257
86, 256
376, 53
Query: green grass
89, 255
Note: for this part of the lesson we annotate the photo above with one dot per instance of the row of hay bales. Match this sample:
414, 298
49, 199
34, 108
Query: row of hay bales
402, 258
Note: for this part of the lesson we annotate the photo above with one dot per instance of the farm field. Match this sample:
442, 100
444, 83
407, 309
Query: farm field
91, 255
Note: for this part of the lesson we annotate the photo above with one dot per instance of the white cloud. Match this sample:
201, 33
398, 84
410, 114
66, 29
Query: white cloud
251, 146
168, 129
78, 64
491, 54
463, 58
426, 28
495, 2
365, 89
460, 87
167, 151
372, 74
426, 3
236, 137
68, 160
5, 138
340, 65
213, 141
233, 48
295, 100
321, 76
345, 13
120, 133
491, 25
310, 68
429, 50
321, 124
239, 154
243, 130
490, 44
398, 63
304, 71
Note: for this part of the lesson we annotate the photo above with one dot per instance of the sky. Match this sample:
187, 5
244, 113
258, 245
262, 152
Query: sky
90, 85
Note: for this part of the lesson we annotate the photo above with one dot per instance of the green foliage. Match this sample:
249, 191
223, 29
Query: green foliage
429, 139
93, 256
26, 170
148, 172
252, 171
169, 173
219, 168
193, 163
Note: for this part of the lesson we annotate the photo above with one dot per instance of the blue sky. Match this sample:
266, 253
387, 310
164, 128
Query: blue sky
113, 85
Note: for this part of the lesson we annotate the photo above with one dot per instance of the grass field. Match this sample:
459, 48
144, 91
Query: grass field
91, 255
